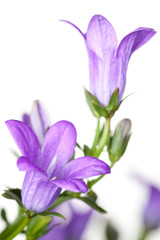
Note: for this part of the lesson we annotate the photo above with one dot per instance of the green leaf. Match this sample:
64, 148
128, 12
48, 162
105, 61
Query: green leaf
97, 109
92, 204
4, 216
114, 100
13, 194
51, 214
38, 226
77, 145
86, 150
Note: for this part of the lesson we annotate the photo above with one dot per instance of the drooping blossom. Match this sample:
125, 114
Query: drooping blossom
108, 61
74, 226
38, 120
47, 167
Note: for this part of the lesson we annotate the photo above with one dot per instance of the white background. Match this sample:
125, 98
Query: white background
43, 58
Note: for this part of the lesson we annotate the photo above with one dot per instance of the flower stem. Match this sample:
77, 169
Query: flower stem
144, 234
103, 140
96, 137
17, 227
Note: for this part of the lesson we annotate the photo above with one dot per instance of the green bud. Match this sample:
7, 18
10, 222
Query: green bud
119, 141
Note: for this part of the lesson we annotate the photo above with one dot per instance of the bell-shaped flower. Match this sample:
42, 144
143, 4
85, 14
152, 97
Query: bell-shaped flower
47, 167
108, 61
38, 120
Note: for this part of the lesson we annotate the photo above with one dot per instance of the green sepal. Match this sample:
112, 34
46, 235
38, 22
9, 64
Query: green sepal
97, 109
88, 200
51, 214
13, 194
114, 102
37, 227
86, 150
111, 232
4, 216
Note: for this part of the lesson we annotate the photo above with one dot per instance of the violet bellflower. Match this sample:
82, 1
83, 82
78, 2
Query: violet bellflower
47, 166
108, 61
73, 228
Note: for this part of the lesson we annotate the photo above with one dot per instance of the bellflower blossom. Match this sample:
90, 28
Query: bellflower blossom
108, 61
47, 166
72, 229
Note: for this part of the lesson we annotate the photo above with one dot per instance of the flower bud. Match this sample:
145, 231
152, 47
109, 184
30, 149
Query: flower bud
119, 140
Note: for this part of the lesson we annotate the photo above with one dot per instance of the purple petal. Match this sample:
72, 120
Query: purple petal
40, 120
26, 119
101, 37
78, 224
58, 147
85, 167
128, 45
73, 185
101, 43
24, 164
152, 209
38, 193
25, 139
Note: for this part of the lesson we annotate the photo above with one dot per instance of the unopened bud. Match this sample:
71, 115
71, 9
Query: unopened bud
119, 140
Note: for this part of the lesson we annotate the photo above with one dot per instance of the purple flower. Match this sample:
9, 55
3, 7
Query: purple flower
72, 229
151, 215
38, 120
108, 61
47, 167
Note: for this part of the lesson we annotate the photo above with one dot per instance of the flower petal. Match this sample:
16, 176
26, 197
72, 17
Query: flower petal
101, 37
73, 185
40, 120
101, 43
24, 164
128, 45
85, 167
58, 147
25, 139
26, 119
152, 209
38, 193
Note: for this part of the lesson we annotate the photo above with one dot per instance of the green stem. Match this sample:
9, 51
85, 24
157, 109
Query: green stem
144, 234
104, 138
96, 137
14, 229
